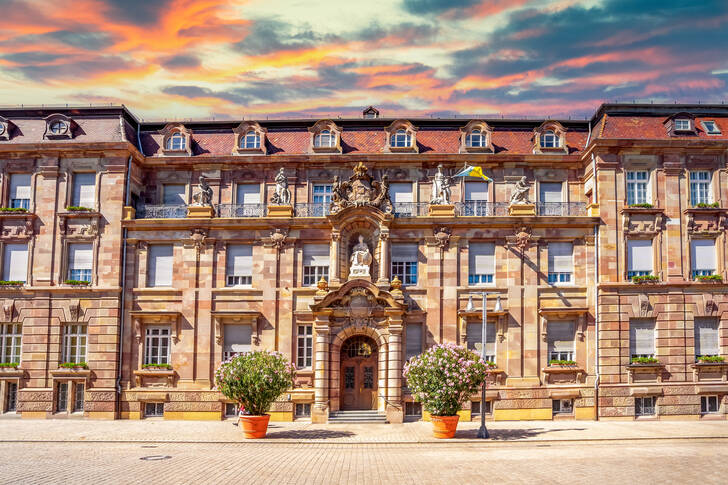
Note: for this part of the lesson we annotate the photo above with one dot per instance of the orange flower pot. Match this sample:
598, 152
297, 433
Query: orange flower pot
444, 426
255, 426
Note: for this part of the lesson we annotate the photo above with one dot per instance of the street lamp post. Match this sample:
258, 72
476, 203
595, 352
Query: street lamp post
483, 431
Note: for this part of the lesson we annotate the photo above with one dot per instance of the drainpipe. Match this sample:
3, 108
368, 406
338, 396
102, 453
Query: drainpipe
595, 192
122, 302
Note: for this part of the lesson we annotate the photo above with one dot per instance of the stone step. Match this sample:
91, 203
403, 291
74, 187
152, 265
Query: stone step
360, 416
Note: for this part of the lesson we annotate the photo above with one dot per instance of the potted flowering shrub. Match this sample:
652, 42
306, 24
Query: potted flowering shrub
442, 378
255, 380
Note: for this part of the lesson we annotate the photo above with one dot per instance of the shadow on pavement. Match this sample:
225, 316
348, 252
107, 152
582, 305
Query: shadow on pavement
309, 434
511, 434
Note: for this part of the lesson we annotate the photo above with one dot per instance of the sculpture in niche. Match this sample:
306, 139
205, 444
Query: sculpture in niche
440, 188
360, 191
282, 195
360, 260
204, 196
520, 192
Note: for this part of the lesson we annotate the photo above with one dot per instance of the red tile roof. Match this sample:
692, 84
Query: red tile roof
653, 128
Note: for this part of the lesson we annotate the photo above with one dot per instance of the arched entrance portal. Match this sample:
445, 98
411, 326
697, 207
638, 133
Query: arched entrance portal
358, 373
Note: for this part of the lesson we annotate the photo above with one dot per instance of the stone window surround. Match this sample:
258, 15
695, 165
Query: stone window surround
241, 130
499, 252
220, 259
70, 175
560, 133
578, 245
30, 243
175, 179
485, 130
6, 377
171, 129
223, 318
242, 181
656, 254
5, 185
140, 320
317, 128
717, 244
6, 126
65, 247
392, 129
50, 119
71, 396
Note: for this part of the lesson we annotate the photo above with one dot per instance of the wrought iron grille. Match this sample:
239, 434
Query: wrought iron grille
410, 209
162, 212
305, 209
561, 208
481, 208
241, 210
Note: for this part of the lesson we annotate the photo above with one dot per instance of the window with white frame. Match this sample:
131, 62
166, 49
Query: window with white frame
560, 336
474, 339
15, 262
413, 340
561, 263
250, 140
641, 338
639, 257
247, 194
404, 262
160, 265
481, 263
702, 256
637, 187
80, 262
709, 404
19, 191
157, 340
400, 193
315, 263
84, 190
324, 139
304, 356
562, 406
400, 139
239, 265
11, 397
11, 335
707, 341
710, 127
549, 139
74, 343
78, 397
476, 199
174, 194
475, 139
177, 142
236, 339
322, 194
699, 187
682, 124
550, 192
644, 406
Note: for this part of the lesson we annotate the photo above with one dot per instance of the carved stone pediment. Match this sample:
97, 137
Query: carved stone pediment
359, 300
642, 221
17, 225
82, 224
706, 222
360, 190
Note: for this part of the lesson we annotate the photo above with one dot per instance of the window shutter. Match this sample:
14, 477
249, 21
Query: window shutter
561, 258
248, 194
550, 191
560, 336
404, 252
414, 339
706, 336
174, 194
316, 255
401, 192
237, 338
239, 260
474, 337
639, 255
482, 258
84, 185
703, 254
161, 264
20, 186
80, 256
642, 337
476, 191
15, 262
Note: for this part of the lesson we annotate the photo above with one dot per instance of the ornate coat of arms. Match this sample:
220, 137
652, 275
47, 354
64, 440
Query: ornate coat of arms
360, 191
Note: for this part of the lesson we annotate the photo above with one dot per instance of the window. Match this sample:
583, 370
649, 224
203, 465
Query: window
549, 140
400, 193
561, 262
20, 191
15, 262
413, 409
644, 406
400, 139
161, 259
251, 140
239, 265
476, 199
707, 341
248, 194
74, 343
315, 263
324, 139
173, 194
562, 406
78, 397
303, 410
702, 254
413, 337
11, 335
481, 263
682, 125
709, 404
550, 199
641, 338
177, 142
474, 339
560, 337
231, 410
475, 139
305, 346
156, 345
637, 192
58, 127
699, 188
62, 397
11, 397
80, 258
237, 339
84, 190
322, 195
711, 127
475, 408
153, 409
639, 257
404, 263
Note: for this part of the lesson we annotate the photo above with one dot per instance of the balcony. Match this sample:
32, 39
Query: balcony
241, 210
481, 208
305, 209
161, 212
410, 209
561, 209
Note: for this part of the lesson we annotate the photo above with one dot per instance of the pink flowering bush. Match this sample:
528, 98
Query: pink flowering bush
255, 379
443, 377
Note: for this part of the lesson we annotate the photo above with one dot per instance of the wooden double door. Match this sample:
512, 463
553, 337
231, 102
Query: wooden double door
358, 375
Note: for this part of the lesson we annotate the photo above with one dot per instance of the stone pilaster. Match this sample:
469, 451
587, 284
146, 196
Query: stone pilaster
395, 411
320, 411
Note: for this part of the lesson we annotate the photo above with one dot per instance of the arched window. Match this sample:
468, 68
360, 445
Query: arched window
250, 140
176, 142
475, 139
549, 140
58, 127
324, 139
401, 139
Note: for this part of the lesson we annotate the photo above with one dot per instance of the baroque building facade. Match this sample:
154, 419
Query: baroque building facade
139, 255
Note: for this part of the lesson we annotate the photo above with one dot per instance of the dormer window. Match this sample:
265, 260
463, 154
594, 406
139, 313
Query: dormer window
476, 137
251, 140
549, 140
710, 127
176, 142
682, 125
58, 126
550, 137
401, 137
5, 126
324, 140
325, 137
371, 112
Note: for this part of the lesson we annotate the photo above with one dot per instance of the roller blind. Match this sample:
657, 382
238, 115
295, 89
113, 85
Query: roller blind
560, 336
400, 192
703, 254
639, 255
161, 265
315, 254
20, 186
84, 185
482, 258
248, 194
15, 262
706, 336
404, 252
642, 337
237, 338
174, 194
474, 337
239, 260
80, 256
476, 191
414, 339
561, 258
550, 191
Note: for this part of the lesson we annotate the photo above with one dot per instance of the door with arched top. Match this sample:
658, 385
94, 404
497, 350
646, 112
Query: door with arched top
358, 374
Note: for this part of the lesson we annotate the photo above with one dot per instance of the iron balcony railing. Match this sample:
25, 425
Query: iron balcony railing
410, 209
561, 208
306, 209
241, 210
480, 208
161, 211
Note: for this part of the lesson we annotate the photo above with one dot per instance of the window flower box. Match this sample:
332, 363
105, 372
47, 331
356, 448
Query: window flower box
645, 279
645, 360
20, 210
704, 205
10, 369
712, 278
16, 284
157, 366
77, 282
562, 363
78, 208
9, 365
711, 359
73, 365
710, 368
154, 372
563, 372
641, 206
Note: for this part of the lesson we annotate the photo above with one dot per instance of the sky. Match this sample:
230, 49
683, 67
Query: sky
203, 59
